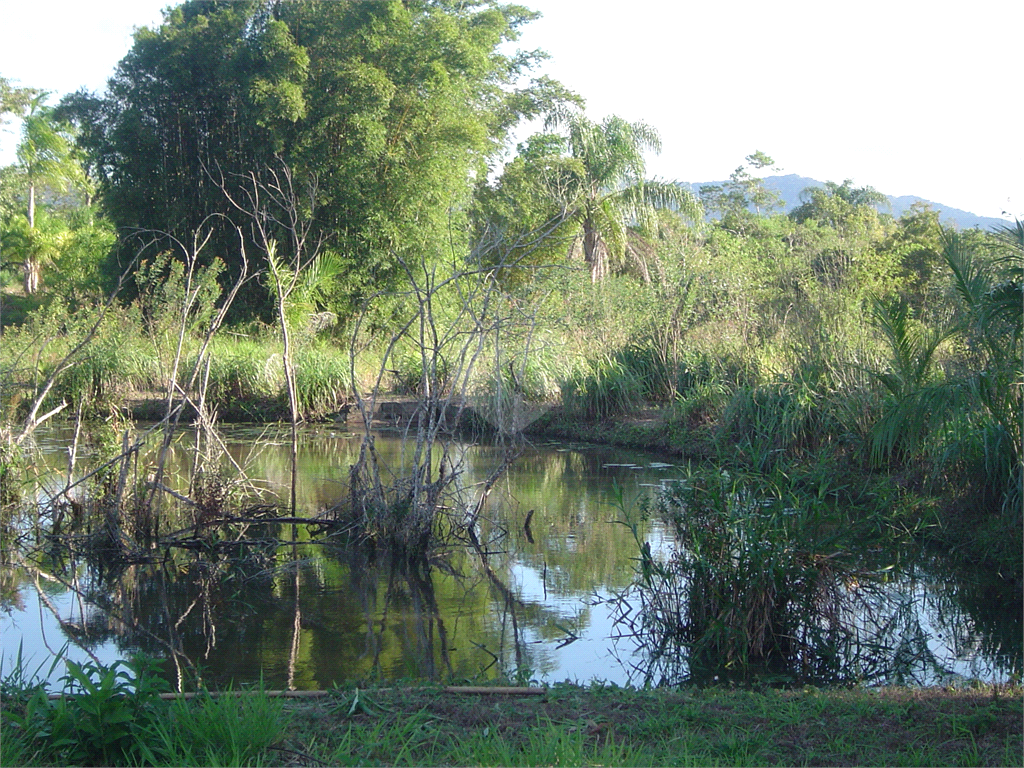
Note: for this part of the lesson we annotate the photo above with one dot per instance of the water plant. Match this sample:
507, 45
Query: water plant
755, 587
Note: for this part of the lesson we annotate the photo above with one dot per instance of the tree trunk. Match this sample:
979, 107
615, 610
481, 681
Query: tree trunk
594, 251
32, 266
31, 275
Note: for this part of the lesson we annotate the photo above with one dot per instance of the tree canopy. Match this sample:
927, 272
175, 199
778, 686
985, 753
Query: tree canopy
388, 110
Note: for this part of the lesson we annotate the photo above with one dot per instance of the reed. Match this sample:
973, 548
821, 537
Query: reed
603, 388
755, 586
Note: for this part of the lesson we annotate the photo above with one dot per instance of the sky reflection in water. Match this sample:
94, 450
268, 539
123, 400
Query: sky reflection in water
544, 612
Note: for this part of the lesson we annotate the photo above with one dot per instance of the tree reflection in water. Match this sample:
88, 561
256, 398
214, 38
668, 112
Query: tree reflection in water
251, 599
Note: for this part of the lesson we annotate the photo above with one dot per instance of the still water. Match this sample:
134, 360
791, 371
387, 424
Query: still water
540, 606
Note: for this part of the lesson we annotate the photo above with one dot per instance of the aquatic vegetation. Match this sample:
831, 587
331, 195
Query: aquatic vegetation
760, 584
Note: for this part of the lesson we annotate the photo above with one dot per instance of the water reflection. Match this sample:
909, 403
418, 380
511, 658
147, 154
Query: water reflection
926, 624
520, 604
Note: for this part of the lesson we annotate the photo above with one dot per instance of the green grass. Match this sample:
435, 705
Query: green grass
622, 726
227, 730
323, 379
604, 388
115, 716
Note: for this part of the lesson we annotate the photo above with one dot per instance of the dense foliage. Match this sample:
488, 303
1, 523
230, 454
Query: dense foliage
352, 150
384, 111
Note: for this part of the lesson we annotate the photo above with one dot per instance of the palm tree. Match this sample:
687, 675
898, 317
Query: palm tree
37, 245
615, 202
46, 158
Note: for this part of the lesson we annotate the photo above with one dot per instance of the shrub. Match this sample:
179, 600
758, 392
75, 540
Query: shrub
114, 715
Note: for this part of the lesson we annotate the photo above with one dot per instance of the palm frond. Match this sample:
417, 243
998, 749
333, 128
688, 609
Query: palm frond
969, 276
909, 420
318, 275
640, 200
913, 348
609, 222
1011, 237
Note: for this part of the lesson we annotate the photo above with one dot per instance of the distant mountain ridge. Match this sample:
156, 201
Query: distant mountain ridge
791, 185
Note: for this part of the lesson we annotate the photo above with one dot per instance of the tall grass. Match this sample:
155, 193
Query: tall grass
755, 587
603, 388
242, 368
103, 372
323, 379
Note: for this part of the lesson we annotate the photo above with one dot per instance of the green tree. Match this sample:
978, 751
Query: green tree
34, 246
519, 218
916, 244
388, 110
613, 196
47, 160
851, 251
46, 154
834, 203
968, 421
732, 201
14, 101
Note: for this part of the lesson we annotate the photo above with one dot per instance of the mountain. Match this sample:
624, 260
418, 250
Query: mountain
790, 186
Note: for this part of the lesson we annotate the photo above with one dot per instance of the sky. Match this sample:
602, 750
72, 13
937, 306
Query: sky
912, 98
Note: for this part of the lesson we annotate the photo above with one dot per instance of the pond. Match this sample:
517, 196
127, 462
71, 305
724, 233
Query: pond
543, 602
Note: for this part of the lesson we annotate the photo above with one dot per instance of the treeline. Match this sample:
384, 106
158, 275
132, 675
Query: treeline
291, 198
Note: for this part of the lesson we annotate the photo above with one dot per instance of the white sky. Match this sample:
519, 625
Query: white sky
910, 97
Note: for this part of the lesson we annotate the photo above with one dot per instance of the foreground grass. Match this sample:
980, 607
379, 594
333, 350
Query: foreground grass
617, 726
567, 726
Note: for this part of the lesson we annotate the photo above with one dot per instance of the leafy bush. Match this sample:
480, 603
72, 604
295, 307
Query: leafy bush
104, 716
115, 715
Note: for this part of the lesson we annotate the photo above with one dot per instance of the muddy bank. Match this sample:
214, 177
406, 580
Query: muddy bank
648, 430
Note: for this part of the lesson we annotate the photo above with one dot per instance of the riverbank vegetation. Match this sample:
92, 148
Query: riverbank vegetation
293, 211
97, 723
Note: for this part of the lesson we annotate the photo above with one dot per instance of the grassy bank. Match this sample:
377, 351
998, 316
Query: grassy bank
908, 494
596, 725
617, 726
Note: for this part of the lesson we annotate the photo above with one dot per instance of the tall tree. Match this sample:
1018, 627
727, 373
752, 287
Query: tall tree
849, 216
47, 158
743, 196
834, 203
14, 101
387, 109
613, 194
46, 154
